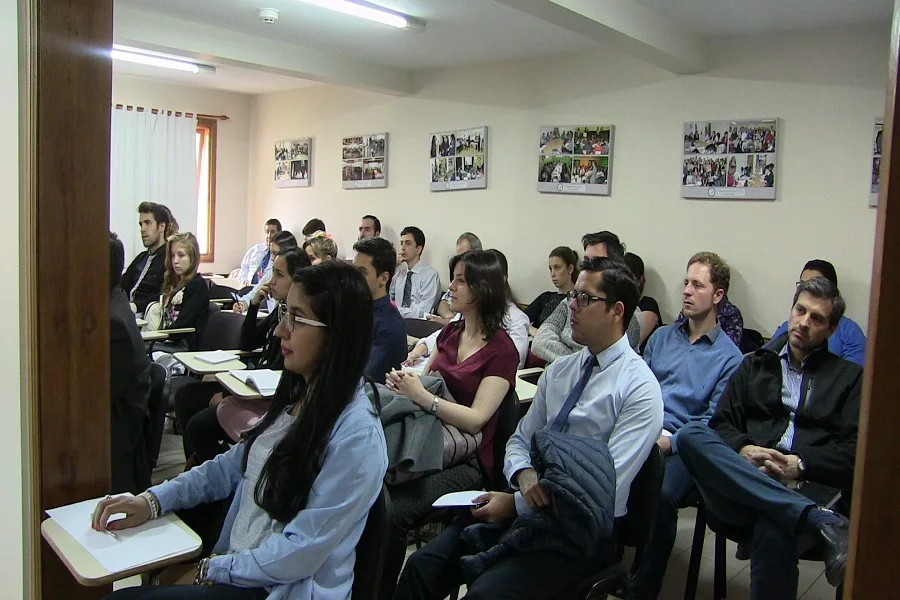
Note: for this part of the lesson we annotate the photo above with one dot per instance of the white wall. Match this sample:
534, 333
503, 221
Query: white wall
232, 153
12, 568
827, 87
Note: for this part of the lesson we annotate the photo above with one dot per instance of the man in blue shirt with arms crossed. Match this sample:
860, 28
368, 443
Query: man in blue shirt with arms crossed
616, 399
693, 361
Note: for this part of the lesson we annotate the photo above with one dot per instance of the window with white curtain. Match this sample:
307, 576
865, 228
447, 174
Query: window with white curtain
206, 188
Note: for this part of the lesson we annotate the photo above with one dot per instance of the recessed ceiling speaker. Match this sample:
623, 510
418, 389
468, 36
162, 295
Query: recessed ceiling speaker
268, 15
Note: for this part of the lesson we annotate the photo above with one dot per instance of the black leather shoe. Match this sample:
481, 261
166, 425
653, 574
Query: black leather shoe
835, 546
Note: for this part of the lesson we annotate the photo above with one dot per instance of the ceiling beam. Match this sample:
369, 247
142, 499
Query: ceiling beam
626, 26
205, 43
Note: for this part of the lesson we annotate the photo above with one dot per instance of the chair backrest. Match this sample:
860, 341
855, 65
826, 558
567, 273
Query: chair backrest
420, 328
223, 330
372, 548
507, 421
643, 500
751, 341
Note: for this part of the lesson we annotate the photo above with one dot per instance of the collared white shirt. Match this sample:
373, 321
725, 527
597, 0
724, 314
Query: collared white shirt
515, 322
426, 288
621, 405
251, 262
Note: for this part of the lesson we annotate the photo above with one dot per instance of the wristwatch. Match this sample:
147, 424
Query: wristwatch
434, 405
801, 467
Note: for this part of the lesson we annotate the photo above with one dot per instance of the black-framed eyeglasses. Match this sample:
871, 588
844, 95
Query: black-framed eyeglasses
584, 299
289, 320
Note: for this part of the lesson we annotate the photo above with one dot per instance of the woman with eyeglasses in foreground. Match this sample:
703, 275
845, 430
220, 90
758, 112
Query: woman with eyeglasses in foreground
303, 480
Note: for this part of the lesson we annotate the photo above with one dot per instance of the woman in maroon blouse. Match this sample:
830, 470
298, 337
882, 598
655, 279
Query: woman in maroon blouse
478, 361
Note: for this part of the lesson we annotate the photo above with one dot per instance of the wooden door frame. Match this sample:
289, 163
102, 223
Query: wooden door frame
875, 518
67, 98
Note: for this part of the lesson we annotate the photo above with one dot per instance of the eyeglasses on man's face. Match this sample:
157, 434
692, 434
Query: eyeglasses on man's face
584, 299
289, 321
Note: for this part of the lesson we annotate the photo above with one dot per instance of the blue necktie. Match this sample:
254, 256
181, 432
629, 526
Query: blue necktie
407, 291
262, 268
560, 421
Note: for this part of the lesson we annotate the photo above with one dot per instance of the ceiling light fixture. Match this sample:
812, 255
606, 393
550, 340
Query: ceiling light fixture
142, 57
364, 10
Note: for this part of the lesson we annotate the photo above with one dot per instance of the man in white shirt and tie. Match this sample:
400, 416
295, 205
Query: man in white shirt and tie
416, 286
257, 262
605, 391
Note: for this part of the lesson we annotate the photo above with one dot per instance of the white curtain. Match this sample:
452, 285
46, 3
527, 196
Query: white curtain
153, 157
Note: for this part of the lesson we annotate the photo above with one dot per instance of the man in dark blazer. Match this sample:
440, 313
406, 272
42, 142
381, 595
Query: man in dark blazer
129, 376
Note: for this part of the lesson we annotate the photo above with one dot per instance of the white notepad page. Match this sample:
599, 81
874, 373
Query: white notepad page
215, 357
145, 544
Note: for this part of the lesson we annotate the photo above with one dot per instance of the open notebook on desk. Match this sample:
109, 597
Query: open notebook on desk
264, 381
146, 544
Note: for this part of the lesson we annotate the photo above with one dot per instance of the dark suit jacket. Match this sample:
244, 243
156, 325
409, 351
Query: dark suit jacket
129, 375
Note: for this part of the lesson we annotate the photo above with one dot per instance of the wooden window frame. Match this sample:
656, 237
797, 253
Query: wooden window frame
210, 125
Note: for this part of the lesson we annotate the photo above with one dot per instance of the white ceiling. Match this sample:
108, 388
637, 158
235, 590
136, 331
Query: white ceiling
458, 32
310, 42
716, 18
227, 78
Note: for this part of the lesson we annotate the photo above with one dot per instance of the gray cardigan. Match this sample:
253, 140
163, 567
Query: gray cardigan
554, 338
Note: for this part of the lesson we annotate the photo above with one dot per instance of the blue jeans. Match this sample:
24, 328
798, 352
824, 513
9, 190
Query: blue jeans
740, 495
677, 488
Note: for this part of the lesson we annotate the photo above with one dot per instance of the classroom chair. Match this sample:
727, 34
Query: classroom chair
372, 547
723, 532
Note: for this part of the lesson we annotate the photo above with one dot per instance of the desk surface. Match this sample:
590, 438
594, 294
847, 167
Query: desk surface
195, 365
226, 282
140, 322
237, 388
524, 390
88, 571
163, 334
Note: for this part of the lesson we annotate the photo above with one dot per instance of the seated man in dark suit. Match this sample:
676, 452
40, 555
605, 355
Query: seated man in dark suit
129, 371
143, 280
787, 419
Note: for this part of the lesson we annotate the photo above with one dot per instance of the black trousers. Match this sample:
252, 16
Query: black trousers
202, 435
130, 467
433, 572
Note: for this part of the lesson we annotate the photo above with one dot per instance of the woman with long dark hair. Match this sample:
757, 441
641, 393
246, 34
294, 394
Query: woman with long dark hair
211, 420
304, 479
563, 267
478, 361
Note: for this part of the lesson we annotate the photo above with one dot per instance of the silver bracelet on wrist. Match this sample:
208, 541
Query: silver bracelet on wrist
434, 405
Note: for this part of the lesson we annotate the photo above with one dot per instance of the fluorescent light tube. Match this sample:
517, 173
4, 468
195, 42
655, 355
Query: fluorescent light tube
130, 55
368, 11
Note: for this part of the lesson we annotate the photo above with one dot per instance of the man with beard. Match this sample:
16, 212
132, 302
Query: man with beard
143, 279
786, 422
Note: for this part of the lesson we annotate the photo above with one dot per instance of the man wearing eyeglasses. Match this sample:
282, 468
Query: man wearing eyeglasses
693, 361
605, 392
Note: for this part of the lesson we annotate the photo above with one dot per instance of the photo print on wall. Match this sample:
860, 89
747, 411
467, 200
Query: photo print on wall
575, 159
364, 161
876, 163
293, 160
458, 159
729, 159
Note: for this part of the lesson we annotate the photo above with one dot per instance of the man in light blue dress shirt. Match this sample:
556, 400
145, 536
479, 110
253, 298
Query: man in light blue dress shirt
620, 403
693, 361
416, 286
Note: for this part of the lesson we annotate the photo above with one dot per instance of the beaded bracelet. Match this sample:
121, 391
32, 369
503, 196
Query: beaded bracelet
153, 501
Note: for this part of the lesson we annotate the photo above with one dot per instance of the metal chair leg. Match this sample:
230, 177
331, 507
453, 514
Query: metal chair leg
690, 587
719, 590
